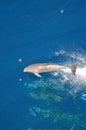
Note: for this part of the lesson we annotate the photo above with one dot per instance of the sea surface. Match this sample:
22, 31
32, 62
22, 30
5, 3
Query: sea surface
37, 31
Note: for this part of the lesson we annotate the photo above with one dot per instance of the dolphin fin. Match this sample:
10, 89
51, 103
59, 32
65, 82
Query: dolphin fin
38, 75
74, 67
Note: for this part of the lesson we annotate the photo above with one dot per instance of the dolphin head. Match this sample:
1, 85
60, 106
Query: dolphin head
27, 69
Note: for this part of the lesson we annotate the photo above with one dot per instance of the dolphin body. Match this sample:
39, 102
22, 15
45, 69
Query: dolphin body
36, 69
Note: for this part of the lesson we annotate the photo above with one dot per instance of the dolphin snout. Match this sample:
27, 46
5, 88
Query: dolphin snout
25, 70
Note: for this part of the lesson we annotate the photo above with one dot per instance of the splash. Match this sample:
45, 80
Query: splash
78, 81
82, 72
65, 78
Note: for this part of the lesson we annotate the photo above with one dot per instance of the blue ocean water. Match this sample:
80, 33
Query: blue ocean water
41, 31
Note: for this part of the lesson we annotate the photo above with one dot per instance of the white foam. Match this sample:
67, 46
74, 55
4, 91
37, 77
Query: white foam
79, 80
81, 72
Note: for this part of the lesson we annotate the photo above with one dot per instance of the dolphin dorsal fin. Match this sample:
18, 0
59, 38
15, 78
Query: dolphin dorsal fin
38, 75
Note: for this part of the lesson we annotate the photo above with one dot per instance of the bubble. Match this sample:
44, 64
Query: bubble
20, 60
20, 79
62, 11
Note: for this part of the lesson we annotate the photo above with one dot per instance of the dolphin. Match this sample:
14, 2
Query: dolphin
38, 68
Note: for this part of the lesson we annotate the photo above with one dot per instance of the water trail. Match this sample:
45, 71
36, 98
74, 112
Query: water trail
82, 72
78, 82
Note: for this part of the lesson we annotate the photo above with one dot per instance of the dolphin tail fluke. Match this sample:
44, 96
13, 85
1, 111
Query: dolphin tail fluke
74, 67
